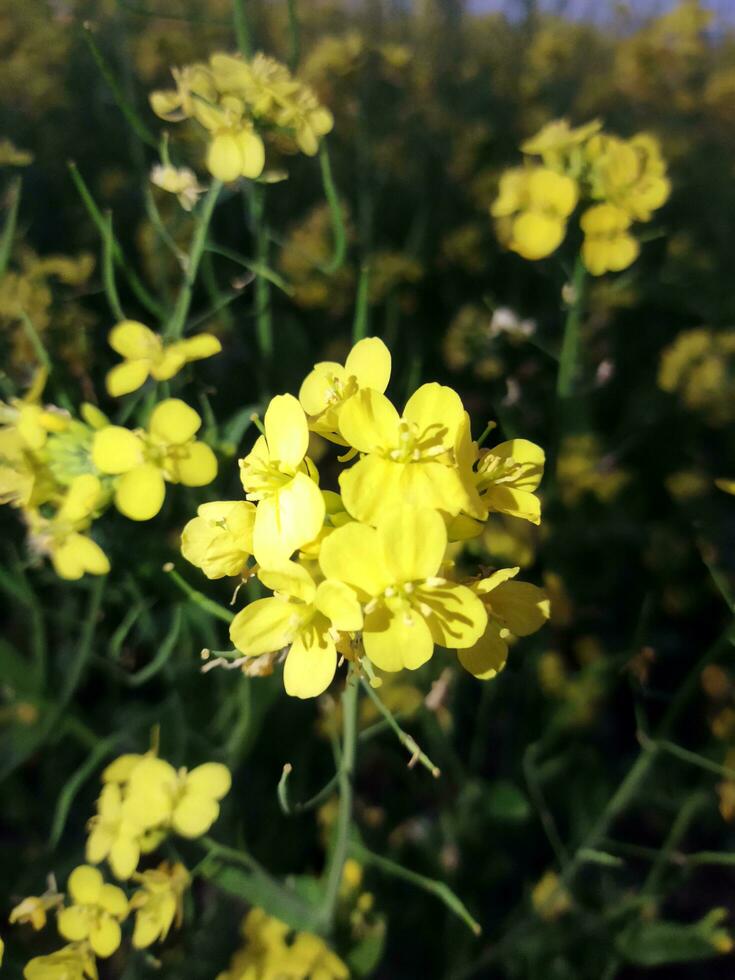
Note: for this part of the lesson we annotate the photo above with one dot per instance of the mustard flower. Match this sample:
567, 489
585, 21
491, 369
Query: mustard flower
329, 385
73, 962
630, 174
283, 480
608, 246
180, 181
394, 569
235, 148
532, 209
411, 458
31, 420
559, 144
147, 355
145, 461
507, 477
303, 616
159, 903
97, 912
116, 833
513, 609
33, 909
219, 540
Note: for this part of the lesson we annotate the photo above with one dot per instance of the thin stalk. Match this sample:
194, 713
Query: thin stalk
291, 809
346, 773
569, 357
8, 232
360, 324
335, 212
295, 36
408, 741
252, 266
175, 326
208, 605
35, 341
264, 315
108, 270
242, 28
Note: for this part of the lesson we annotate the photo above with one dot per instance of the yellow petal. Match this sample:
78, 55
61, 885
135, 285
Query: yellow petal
73, 923
210, 779
85, 884
127, 377
147, 930
414, 542
81, 498
116, 450
522, 607
536, 235
174, 422
134, 340
438, 409
530, 457
486, 658
123, 857
78, 555
395, 641
339, 604
370, 362
169, 363
224, 157
201, 346
287, 520
140, 493
491, 582
267, 625
113, 900
105, 936
369, 422
458, 618
371, 484
352, 554
517, 503
120, 769
99, 843
252, 154
317, 388
194, 815
310, 665
286, 431
291, 579
197, 467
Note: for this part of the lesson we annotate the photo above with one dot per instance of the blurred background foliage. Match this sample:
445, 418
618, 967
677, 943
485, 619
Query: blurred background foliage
603, 753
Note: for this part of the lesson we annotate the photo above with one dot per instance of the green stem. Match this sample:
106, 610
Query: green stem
568, 360
175, 326
291, 809
242, 28
408, 741
360, 324
108, 270
346, 773
295, 34
264, 317
8, 233
35, 341
335, 211
431, 885
208, 605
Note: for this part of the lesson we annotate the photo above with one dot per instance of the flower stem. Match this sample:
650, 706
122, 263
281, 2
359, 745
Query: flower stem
264, 313
408, 741
344, 816
568, 360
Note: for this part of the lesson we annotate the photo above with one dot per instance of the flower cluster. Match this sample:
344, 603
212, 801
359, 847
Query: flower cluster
270, 949
143, 799
699, 367
366, 573
620, 181
237, 103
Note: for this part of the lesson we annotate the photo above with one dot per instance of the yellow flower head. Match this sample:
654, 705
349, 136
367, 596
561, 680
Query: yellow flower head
145, 461
414, 458
532, 208
394, 569
329, 385
33, 909
146, 355
72, 552
507, 477
608, 246
73, 962
303, 616
97, 912
630, 174
30, 419
219, 540
115, 833
159, 903
283, 480
559, 145
180, 181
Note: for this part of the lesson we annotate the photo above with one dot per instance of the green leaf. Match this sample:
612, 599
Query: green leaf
658, 943
266, 893
506, 803
364, 957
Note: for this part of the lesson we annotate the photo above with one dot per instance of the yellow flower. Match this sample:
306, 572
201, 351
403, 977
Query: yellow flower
146, 355
411, 458
219, 540
532, 208
73, 962
303, 616
727, 486
159, 903
698, 366
193, 82
630, 174
283, 480
607, 246
507, 477
513, 609
32, 910
329, 385
180, 181
559, 145
97, 912
394, 570
11, 156
145, 461
115, 833
550, 898
29, 418
235, 149
61, 537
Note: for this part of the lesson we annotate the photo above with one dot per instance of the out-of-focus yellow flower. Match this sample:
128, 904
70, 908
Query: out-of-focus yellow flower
581, 468
699, 367
29, 418
508, 476
394, 568
147, 355
159, 903
115, 833
329, 384
219, 540
145, 461
509, 542
72, 552
727, 486
550, 898
608, 246
11, 156
33, 909
532, 208
513, 609
180, 181
73, 962
559, 144
97, 912
278, 474
631, 174
302, 616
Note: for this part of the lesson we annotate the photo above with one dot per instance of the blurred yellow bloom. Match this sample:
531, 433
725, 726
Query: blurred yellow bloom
303, 616
61, 536
630, 174
97, 912
550, 898
73, 962
532, 208
394, 568
115, 833
219, 540
699, 367
508, 476
33, 910
180, 181
283, 480
144, 461
147, 355
11, 156
329, 384
557, 143
159, 903
608, 246
581, 468
29, 418
727, 486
